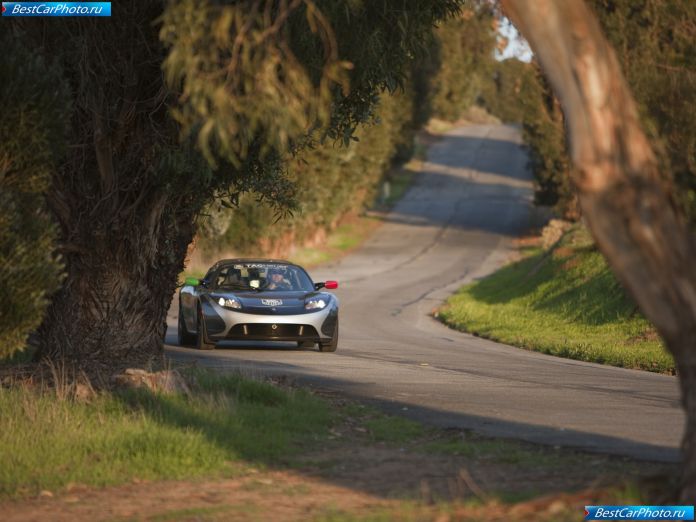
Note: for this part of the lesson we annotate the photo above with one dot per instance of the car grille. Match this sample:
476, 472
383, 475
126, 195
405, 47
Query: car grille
273, 331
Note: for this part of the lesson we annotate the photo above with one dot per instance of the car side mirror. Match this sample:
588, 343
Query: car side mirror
192, 281
329, 285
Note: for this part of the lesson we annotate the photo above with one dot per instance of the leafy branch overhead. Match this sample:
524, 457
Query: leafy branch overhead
246, 83
274, 76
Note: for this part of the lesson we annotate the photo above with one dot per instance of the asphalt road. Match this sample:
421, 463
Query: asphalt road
454, 225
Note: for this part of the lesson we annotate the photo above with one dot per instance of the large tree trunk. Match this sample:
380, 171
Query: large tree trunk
626, 202
111, 311
121, 197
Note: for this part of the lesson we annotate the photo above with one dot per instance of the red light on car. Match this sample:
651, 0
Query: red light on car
331, 285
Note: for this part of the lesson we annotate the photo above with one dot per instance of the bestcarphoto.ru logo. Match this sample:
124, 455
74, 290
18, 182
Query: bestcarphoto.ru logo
56, 9
639, 512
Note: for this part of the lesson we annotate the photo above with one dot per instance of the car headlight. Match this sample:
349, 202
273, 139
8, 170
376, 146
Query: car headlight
229, 302
315, 304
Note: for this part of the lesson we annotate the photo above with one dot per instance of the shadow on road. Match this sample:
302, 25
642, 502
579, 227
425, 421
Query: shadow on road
489, 426
487, 155
469, 183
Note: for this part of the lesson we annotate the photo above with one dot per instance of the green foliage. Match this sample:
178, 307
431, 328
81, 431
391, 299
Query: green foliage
303, 78
245, 84
464, 55
565, 302
227, 422
278, 74
32, 130
442, 73
655, 44
331, 180
519, 93
513, 90
544, 135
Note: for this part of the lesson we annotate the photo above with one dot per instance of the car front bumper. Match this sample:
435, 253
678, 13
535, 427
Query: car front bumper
223, 324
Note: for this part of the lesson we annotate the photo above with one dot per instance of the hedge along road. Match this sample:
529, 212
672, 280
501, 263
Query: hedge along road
473, 196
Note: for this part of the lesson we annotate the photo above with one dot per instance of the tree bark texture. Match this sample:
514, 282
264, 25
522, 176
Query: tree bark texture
121, 198
625, 200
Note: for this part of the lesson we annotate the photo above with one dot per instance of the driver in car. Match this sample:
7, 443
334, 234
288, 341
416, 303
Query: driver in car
276, 280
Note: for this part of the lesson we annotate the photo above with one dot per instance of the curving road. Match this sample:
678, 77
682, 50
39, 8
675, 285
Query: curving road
454, 225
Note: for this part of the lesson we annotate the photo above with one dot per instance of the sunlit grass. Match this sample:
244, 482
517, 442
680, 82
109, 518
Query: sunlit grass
566, 303
233, 426
47, 442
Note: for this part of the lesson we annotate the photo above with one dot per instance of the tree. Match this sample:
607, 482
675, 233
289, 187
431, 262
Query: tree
464, 47
32, 130
655, 44
627, 203
249, 81
124, 193
332, 181
183, 101
544, 135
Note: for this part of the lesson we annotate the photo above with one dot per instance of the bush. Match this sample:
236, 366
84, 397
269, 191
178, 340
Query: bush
544, 135
33, 123
655, 45
464, 51
513, 91
332, 180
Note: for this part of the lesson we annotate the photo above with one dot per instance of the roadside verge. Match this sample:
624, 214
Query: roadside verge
563, 300
222, 445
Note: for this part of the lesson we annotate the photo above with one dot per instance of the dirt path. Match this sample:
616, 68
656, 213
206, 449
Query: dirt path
277, 495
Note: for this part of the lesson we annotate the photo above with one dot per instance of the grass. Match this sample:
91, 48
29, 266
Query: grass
48, 442
563, 302
406, 512
502, 451
346, 237
393, 430
397, 431
558, 507
230, 426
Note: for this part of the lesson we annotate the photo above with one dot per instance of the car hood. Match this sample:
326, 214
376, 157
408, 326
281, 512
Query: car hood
275, 303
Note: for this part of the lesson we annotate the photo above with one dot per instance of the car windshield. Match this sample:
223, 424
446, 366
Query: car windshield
263, 277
